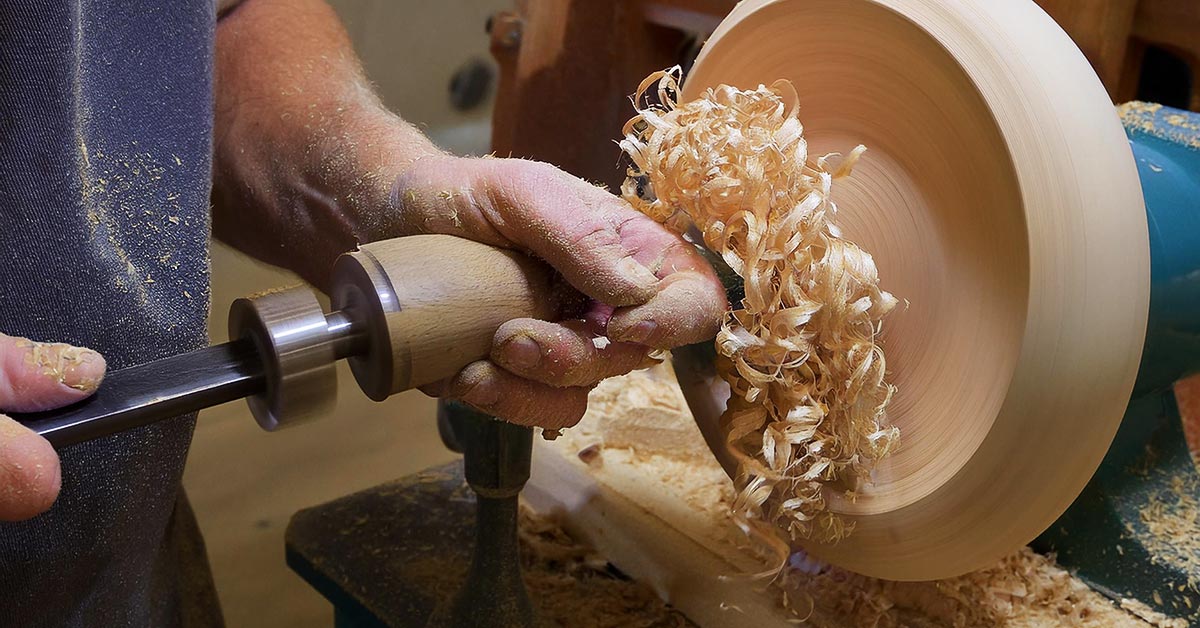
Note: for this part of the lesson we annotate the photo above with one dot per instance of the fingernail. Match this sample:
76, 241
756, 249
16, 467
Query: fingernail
82, 369
640, 333
523, 352
637, 273
484, 394
75, 367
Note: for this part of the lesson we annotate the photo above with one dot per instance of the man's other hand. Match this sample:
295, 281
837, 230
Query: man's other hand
36, 376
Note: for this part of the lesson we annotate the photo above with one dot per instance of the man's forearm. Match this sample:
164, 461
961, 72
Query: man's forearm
305, 154
308, 162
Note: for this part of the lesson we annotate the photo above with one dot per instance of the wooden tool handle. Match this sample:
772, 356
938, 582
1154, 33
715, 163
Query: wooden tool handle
431, 305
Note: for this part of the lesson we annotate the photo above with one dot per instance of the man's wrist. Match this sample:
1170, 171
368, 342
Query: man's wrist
386, 148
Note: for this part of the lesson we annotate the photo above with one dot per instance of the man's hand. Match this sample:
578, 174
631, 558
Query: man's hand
37, 376
308, 162
648, 289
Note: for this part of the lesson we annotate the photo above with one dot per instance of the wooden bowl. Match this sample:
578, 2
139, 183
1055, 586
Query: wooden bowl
1000, 198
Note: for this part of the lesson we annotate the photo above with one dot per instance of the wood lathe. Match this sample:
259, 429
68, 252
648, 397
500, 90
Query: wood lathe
1049, 256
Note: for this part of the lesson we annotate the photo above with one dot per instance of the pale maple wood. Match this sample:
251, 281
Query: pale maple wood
1000, 198
659, 514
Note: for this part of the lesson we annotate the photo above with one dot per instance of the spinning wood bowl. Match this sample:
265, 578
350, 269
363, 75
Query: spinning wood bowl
999, 197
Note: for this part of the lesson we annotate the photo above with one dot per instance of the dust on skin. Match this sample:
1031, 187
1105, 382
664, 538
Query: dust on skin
75, 367
18, 443
564, 351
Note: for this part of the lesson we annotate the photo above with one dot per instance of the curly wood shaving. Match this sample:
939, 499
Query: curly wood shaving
799, 352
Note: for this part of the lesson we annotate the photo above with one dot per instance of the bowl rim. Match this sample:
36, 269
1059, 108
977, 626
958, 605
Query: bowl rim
1088, 300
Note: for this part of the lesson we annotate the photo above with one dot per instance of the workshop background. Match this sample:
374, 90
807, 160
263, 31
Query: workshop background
244, 483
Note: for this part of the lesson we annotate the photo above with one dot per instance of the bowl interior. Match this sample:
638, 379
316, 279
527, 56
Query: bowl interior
935, 200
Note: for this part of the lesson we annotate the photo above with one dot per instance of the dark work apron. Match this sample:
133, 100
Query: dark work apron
105, 166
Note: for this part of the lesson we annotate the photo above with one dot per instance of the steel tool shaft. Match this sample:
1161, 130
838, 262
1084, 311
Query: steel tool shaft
143, 394
496, 461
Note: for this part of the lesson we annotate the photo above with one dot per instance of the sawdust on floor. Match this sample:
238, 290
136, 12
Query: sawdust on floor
574, 586
1153, 617
1172, 518
568, 583
1023, 590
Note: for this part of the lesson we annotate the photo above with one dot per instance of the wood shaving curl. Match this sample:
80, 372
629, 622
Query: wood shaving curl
808, 400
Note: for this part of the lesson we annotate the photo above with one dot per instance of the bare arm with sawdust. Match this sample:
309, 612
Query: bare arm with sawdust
308, 163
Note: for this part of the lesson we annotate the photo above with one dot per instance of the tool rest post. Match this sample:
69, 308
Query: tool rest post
496, 459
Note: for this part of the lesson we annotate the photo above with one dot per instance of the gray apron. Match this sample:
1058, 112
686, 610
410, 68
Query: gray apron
105, 167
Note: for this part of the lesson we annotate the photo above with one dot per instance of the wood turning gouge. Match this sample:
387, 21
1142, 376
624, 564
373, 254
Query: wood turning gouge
405, 312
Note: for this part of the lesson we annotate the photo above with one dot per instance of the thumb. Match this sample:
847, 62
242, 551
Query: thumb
36, 376
29, 473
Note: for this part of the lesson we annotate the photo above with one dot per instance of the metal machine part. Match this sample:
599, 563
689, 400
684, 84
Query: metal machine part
281, 358
496, 460
362, 286
298, 345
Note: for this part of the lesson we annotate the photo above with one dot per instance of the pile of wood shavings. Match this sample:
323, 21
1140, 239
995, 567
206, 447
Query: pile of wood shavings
1172, 518
808, 393
1022, 590
574, 586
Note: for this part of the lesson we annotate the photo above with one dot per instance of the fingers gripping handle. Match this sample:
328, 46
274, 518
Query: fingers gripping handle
431, 304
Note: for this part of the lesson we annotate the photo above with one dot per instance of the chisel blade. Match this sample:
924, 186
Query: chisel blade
140, 395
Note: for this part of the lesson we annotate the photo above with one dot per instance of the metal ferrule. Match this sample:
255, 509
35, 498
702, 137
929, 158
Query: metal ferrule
361, 288
299, 345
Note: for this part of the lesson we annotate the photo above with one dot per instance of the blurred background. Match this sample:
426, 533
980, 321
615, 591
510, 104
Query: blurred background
430, 63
